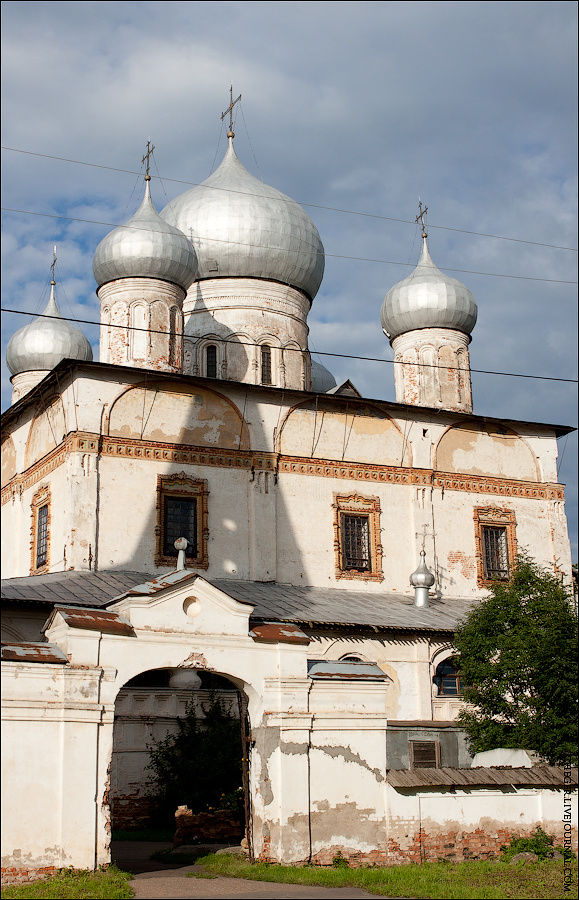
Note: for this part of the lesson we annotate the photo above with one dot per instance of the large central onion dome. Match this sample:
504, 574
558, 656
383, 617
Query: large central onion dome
427, 299
41, 345
147, 247
241, 227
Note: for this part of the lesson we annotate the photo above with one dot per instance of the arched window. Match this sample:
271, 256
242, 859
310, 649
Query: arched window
211, 361
265, 364
139, 335
447, 678
173, 327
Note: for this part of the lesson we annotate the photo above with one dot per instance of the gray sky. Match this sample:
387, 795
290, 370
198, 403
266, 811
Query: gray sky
357, 106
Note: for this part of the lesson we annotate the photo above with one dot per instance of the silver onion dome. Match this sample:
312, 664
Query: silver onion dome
322, 379
241, 227
42, 344
148, 247
427, 298
422, 576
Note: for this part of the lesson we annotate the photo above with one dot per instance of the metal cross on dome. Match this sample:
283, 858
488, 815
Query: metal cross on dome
229, 110
147, 158
421, 215
53, 264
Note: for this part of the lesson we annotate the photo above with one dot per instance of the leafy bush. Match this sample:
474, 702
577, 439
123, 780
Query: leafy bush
200, 765
539, 842
518, 659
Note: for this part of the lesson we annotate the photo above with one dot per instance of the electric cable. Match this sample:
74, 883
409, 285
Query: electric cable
325, 253
379, 359
351, 212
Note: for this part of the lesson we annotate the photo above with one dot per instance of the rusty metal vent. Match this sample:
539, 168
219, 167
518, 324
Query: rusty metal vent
345, 670
33, 652
95, 620
278, 633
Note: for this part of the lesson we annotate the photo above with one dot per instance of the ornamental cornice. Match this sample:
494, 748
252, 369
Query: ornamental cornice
447, 481
133, 448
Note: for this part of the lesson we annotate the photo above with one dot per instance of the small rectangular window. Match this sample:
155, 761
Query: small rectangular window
495, 552
179, 520
356, 543
424, 755
41, 536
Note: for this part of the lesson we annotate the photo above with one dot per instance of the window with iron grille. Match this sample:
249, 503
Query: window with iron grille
211, 361
42, 536
357, 533
447, 678
495, 552
265, 364
179, 520
424, 754
182, 511
356, 543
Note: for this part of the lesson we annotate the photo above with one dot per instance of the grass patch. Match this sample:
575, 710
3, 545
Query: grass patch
473, 880
108, 884
144, 834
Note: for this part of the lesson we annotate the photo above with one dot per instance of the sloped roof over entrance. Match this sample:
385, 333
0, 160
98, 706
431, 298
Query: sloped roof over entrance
272, 602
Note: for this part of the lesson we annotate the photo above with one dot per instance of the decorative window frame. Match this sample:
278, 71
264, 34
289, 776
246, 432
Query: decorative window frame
357, 505
180, 485
40, 499
200, 349
494, 517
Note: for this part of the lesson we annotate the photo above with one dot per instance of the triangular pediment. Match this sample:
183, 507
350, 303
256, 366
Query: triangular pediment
183, 602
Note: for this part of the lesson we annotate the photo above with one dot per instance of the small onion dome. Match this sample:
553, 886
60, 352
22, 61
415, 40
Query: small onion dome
146, 247
427, 299
322, 379
241, 227
422, 577
42, 344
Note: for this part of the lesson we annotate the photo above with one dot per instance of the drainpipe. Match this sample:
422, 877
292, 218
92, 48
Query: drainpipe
310, 730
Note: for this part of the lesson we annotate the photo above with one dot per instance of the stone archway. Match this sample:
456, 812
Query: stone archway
180, 742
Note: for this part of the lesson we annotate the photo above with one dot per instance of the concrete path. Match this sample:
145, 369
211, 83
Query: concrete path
156, 881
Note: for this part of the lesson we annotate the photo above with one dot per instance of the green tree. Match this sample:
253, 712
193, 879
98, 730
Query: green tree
518, 660
198, 764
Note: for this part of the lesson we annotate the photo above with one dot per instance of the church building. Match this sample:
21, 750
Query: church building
206, 500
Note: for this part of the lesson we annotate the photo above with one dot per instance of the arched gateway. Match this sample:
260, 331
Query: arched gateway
180, 620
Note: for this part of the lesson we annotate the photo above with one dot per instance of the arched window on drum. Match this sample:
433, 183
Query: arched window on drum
211, 361
265, 364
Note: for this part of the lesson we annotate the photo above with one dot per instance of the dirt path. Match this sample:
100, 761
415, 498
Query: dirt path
175, 885
155, 881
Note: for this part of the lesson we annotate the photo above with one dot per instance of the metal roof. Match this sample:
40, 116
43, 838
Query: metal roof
337, 606
504, 776
345, 670
95, 620
33, 652
71, 588
271, 601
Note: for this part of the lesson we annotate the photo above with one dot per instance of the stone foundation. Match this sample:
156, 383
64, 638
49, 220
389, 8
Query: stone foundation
14, 875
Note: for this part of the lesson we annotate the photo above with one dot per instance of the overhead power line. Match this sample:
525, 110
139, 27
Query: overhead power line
215, 340
389, 262
350, 212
